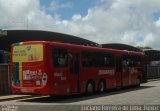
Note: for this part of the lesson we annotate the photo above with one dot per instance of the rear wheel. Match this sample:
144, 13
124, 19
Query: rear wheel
90, 87
101, 86
138, 82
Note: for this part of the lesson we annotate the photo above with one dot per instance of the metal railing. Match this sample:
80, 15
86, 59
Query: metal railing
153, 72
5, 79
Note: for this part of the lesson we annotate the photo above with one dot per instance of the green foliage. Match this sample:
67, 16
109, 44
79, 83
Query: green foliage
144, 47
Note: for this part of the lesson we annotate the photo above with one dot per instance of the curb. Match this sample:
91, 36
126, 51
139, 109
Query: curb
14, 97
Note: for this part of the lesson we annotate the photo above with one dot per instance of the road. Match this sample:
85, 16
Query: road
147, 94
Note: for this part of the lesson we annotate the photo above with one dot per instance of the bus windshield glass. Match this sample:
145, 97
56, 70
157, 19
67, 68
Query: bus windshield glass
27, 53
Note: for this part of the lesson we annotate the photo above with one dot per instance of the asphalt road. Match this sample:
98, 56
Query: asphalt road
138, 98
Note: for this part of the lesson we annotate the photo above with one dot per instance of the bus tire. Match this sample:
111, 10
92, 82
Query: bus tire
101, 86
138, 82
90, 87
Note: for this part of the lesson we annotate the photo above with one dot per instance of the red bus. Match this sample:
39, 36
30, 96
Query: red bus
54, 68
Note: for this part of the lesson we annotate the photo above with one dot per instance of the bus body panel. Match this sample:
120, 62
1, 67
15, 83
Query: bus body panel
62, 70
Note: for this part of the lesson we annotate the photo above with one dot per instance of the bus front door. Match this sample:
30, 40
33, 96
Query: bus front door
74, 68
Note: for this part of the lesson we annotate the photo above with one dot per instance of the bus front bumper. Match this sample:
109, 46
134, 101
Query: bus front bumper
30, 90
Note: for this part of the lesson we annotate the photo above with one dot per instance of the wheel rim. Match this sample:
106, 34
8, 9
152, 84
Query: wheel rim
101, 86
90, 87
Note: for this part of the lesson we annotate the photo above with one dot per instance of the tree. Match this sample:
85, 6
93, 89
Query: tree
144, 47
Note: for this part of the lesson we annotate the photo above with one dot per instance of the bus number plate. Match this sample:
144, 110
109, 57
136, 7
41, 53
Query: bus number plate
27, 90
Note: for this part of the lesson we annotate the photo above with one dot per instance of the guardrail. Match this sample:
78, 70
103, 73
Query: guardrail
153, 72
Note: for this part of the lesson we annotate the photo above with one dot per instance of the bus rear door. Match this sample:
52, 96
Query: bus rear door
118, 72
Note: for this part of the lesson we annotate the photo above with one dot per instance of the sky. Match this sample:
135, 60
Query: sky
132, 22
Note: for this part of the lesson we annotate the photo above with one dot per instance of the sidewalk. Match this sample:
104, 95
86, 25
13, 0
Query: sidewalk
14, 97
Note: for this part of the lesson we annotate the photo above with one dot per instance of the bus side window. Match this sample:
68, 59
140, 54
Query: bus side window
97, 59
60, 58
87, 59
109, 60
138, 61
119, 64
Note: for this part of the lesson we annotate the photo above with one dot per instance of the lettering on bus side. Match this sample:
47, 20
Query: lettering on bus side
60, 75
110, 72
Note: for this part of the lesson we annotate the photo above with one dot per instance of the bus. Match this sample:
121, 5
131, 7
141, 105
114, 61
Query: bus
55, 68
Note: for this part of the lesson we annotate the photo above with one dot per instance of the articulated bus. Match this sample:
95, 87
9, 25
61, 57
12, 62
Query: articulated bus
54, 68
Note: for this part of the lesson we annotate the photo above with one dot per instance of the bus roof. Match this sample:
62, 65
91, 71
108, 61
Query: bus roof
81, 47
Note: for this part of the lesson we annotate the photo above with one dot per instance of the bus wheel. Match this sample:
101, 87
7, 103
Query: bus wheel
138, 82
90, 87
101, 86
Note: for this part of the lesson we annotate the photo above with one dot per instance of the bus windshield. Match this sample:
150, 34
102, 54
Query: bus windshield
27, 53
